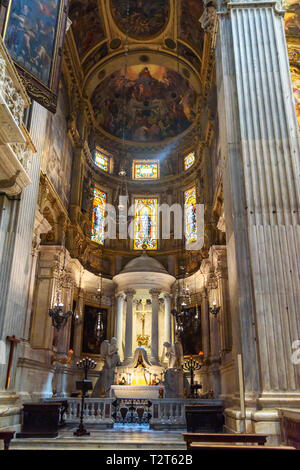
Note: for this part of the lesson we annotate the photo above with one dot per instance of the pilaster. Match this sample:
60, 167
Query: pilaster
260, 153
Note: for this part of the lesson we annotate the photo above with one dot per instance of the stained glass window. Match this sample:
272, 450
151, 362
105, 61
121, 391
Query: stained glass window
190, 215
98, 216
189, 160
101, 160
146, 170
145, 224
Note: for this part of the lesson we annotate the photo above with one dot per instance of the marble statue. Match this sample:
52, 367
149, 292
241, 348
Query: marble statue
110, 355
174, 353
109, 352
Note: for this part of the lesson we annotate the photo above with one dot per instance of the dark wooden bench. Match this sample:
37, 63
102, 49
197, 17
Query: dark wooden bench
191, 438
237, 447
6, 436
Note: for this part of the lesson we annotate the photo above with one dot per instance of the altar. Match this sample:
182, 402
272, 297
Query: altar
136, 391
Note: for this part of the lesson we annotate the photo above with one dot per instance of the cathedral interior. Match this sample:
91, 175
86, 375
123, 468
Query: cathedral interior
149, 214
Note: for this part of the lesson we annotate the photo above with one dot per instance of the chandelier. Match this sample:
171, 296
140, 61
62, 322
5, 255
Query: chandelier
58, 316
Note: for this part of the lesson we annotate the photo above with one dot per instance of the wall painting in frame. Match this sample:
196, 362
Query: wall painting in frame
34, 34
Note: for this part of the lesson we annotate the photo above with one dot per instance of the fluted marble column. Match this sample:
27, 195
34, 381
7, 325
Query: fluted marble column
78, 329
128, 329
168, 319
119, 322
259, 141
154, 331
205, 324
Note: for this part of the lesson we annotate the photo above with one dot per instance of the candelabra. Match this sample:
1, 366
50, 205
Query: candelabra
84, 385
214, 310
191, 365
59, 318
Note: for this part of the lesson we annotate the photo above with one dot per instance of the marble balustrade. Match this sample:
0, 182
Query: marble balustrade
164, 411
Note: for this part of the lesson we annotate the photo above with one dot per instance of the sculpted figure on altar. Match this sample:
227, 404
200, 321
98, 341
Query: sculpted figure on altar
110, 355
109, 352
174, 354
174, 372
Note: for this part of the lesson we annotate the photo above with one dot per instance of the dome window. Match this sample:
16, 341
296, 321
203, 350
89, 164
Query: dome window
145, 170
101, 160
189, 160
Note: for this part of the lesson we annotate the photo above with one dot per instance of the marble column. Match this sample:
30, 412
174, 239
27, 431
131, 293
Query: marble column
168, 318
51, 259
128, 328
119, 322
154, 331
225, 317
41, 225
78, 324
260, 151
205, 324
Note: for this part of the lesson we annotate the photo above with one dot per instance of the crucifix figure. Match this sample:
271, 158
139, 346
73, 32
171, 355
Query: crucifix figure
143, 339
13, 341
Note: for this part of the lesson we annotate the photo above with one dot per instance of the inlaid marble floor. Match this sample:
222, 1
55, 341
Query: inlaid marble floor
127, 437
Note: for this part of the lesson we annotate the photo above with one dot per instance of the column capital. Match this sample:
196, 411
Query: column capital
155, 293
120, 295
130, 293
167, 295
230, 4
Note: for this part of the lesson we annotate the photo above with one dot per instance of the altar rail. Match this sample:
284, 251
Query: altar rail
165, 412
96, 410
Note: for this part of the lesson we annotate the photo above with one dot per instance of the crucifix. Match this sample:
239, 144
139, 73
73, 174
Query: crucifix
13, 341
143, 339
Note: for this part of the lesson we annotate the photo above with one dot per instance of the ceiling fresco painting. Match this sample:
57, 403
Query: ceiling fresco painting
149, 104
190, 28
87, 25
292, 18
140, 19
98, 54
189, 55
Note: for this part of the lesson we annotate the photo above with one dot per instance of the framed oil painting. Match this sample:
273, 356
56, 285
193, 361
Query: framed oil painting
192, 337
94, 329
34, 34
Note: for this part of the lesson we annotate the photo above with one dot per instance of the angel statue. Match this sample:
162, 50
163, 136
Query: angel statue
109, 352
174, 353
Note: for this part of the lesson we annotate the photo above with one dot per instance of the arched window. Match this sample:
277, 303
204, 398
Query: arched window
189, 160
100, 199
190, 215
145, 224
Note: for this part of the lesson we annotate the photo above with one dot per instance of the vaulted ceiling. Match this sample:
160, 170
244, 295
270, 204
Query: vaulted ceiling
140, 68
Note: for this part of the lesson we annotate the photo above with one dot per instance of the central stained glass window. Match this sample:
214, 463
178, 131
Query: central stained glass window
98, 222
189, 160
146, 170
145, 224
190, 215
101, 160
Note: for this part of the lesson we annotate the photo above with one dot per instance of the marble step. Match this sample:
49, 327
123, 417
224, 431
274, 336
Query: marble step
97, 444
